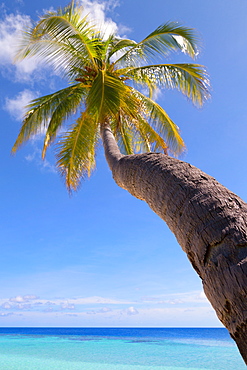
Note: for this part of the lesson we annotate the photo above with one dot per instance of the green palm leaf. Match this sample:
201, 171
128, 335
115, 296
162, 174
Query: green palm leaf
118, 45
105, 96
162, 123
63, 39
167, 37
46, 114
76, 150
190, 79
151, 140
124, 136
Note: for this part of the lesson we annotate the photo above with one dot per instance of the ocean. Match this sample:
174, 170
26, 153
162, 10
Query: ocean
118, 349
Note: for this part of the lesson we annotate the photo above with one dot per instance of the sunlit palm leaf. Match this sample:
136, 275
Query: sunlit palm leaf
142, 143
76, 151
120, 45
190, 79
105, 95
63, 40
167, 37
162, 123
141, 136
151, 138
46, 114
125, 139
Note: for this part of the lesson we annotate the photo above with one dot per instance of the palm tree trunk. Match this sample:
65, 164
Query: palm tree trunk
208, 220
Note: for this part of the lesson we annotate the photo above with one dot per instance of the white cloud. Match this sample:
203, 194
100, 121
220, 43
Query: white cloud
105, 309
36, 157
49, 309
20, 302
96, 12
11, 28
102, 310
23, 306
87, 311
67, 306
30, 297
4, 314
26, 301
6, 305
16, 106
196, 297
18, 299
97, 300
131, 311
182, 43
157, 93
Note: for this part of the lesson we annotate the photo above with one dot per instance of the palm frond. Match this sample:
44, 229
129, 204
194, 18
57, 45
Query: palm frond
76, 151
46, 114
133, 131
105, 96
161, 123
125, 139
63, 39
123, 133
141, 143
150, 138
120, 45
190, 79
168, 37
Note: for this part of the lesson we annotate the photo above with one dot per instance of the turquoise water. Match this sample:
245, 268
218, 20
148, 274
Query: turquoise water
117, 349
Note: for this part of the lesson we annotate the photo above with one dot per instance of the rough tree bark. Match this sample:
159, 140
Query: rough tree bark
208, 220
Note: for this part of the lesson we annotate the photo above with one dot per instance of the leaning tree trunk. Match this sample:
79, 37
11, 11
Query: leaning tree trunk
209, 222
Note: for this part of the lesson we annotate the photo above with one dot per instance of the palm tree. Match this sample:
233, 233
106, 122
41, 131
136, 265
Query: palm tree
111, 85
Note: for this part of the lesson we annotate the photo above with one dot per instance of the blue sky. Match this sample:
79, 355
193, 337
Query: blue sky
102, 257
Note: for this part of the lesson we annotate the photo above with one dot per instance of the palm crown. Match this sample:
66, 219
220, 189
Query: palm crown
104, 75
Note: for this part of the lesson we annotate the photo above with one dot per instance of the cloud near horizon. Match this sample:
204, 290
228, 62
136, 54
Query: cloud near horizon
32, 301
90, 311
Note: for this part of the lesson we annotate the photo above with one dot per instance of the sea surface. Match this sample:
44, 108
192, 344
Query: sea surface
118, 349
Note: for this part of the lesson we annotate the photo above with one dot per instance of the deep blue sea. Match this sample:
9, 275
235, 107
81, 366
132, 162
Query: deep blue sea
118, 349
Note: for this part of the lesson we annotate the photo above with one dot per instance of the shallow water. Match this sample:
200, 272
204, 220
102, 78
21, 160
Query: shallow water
118, 349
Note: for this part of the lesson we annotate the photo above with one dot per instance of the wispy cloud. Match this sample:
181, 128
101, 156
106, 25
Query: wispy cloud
96, 311
16, 105
102, 310
97, 11
67, 306
195, 297
25, 298
36, 157
4, 314
180, 300
11, 28
33, 302
98, 300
